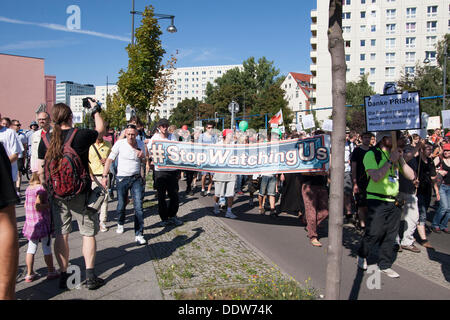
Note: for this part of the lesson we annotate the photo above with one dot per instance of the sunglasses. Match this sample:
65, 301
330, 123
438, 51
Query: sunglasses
209, 127
17, 124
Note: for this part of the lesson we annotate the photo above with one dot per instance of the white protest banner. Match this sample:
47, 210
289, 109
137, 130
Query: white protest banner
423, 129
299, 127
434, 123
445, 118
327, 125
308, 121
390, 112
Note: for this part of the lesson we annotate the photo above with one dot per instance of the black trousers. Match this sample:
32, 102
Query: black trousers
383, 222
189, 179
166, 183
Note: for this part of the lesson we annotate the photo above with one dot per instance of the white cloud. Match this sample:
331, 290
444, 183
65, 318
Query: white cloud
36, 44
59, 27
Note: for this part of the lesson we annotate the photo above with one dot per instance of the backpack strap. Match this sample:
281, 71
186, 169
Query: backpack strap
71, 136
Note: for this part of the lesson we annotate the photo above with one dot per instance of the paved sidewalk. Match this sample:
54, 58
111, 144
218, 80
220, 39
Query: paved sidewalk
202, 252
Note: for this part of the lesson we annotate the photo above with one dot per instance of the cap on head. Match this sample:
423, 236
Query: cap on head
226, 131
163, 122
33, 123
447, 147
382, 134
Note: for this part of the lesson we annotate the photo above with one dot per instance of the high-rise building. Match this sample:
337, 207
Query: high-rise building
65, 89
190, 83
383, 39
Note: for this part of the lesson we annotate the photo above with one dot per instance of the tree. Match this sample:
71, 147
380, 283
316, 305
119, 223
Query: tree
428, 80
249, 87
336, 201
185, 113
146, 80
355, 93
115, 111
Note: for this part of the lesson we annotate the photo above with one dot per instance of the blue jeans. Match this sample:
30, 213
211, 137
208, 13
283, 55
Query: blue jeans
423, 201
135, 183
442, 215
240, 180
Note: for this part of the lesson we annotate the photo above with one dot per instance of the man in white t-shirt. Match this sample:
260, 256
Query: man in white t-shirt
166, 180
12, 147
43, 119
131, 154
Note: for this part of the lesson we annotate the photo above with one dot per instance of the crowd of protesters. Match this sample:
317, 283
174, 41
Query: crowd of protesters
387, 191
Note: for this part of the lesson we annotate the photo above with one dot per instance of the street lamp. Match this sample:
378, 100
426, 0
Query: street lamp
171, 28
233, 107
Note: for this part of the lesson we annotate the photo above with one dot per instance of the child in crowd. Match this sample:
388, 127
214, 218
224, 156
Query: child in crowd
37, 227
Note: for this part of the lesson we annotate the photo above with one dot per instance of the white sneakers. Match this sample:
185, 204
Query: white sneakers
390, 273
119, 229
230, 215
103, 227
140, 240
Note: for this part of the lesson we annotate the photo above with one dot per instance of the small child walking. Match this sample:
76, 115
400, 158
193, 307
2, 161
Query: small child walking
37, 227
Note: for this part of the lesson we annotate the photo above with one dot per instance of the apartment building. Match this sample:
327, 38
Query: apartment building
65, 89
298, 90
383, 38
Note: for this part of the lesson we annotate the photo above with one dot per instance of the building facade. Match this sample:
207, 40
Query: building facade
383, 39
23, 87
190, 83
65, 89
76, 101
298, 90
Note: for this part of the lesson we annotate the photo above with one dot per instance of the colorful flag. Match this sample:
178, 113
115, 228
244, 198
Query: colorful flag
278, 118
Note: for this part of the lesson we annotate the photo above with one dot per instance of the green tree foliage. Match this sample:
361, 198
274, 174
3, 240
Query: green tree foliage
138, 84
253, 87
185, 113
115, 111
429, 81
355, 93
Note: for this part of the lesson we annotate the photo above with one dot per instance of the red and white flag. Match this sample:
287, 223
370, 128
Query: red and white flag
277, 118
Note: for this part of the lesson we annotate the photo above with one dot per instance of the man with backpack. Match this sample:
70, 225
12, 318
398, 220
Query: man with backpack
383, 164
64, 170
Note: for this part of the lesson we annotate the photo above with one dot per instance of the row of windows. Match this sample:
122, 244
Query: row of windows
391, 28
203, 72
392, 13
410, 42
389, 72
390, 56
195, 79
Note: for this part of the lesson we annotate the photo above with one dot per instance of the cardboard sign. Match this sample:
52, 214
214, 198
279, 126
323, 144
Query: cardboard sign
327, 125
308, 121
390, 112
299, 127
446, 118
434, 123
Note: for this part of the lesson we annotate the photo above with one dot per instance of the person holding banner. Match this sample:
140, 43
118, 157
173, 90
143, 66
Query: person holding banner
383, 219
208, 137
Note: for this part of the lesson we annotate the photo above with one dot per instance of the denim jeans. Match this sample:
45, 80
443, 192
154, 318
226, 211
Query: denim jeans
240, 181
135, 184
423, 203
442, 215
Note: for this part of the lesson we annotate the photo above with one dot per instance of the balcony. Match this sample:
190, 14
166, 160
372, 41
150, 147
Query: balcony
313, 27
313, 68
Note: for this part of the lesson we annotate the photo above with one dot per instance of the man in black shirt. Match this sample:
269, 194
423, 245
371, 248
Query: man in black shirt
9, 247
63, 210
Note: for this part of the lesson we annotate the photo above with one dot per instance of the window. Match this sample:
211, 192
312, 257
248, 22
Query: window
186, 73
346, 15
389, 72
390, 57
411, 42
372, 85
219, 72
362, 71
347, 2
372, 71
364, 1
410, 27
448, 24
390, 1
410, 71
410, 57
390, 13
362, 28
373, 13
373, 42
347, 43
363, 14
410, 13
373, 28
431, 26
363, 43
362, 56
203, 72
390, 28
430, 55
347, 57
431, 41
390, 43
374, 1
346, 29
186, 79
432, 11
373, 56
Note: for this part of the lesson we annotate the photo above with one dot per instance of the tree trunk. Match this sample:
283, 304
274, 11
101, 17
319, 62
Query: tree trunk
336, 200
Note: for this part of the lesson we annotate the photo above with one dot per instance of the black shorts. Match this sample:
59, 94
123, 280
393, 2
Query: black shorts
361, 198
20, 164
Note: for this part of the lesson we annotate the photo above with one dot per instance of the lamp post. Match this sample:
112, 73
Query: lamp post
171, 28
233, 107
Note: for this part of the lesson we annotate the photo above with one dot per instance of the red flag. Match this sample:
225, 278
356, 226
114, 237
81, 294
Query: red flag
278, 118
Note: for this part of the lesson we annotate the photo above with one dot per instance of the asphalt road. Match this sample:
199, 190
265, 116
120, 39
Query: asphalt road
283, 240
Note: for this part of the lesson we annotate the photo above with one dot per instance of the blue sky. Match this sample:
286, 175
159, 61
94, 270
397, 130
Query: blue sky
210, 32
